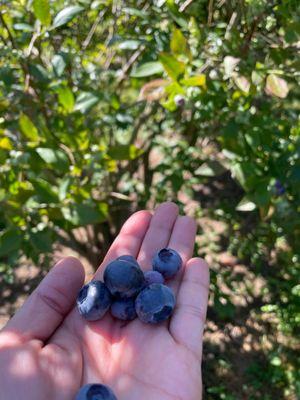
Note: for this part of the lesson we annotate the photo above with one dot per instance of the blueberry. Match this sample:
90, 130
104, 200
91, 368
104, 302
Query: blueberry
168, 262
128, 258
123, 309
123, 279
93, 300
153, 277
279, 188
95, 391
155, 303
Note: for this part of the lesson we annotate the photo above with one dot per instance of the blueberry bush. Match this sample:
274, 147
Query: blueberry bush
108, 106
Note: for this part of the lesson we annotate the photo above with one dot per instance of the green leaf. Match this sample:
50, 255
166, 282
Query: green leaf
198, 80
57, 158
245, 205
66, 15
58, 64
42, 241
124, 152
84, 214
129, 45
85, 101
178, 43
23, 27
10, 241
210, 168
135, 12
147, 69
172, 66
41, 9
276, 86
28, 129
63, 188
44, 191
66, 98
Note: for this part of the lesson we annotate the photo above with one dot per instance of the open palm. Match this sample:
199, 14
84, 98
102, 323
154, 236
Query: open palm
48, 351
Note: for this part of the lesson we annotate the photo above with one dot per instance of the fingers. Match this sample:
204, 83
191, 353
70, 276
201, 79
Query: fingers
129, 239
48, 305
158, 233
182, 240
188, 320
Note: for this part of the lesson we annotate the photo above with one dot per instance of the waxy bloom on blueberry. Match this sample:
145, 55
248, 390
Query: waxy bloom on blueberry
123, 279
155, 303
168, 262
129, 259
153, 277
123, 309
93, 300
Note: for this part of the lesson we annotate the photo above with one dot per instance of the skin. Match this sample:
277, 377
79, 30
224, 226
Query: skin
48, 351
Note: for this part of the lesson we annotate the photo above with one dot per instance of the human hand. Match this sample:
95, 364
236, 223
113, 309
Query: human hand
48, 351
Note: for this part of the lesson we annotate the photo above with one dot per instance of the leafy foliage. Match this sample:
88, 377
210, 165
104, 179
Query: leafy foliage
107, 106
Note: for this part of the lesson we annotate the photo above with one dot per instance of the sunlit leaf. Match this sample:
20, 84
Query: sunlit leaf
58, 64
172, 66
210, 168
124, 152
66, 15
178, 43
85, 101
129, 45
245, 205
28, 128
55, 157
242, 83
5, 143
198, 80
66, 98
41, 9
230, 63
147, 69
276, 86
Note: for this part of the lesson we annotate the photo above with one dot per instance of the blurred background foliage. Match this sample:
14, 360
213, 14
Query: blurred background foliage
110, 106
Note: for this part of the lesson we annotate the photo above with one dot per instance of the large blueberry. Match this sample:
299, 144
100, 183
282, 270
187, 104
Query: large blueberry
128, 258
93, 300
155, 303
123, 279
153, 277
123, 309
95, 391
168, 262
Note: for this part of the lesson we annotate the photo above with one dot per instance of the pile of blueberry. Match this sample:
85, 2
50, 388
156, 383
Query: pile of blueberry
129, 293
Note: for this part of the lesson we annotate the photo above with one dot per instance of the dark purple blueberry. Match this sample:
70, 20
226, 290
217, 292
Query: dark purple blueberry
168, 262
95, 391
153, 277
179, 100
155, 303
128, 258
93, 300
279, 188
123, 309
123, 279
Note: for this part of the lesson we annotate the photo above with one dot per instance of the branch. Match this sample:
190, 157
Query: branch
11, 38
129, 63
93, 29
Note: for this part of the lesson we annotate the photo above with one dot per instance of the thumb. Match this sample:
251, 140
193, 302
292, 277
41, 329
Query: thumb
50, 302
